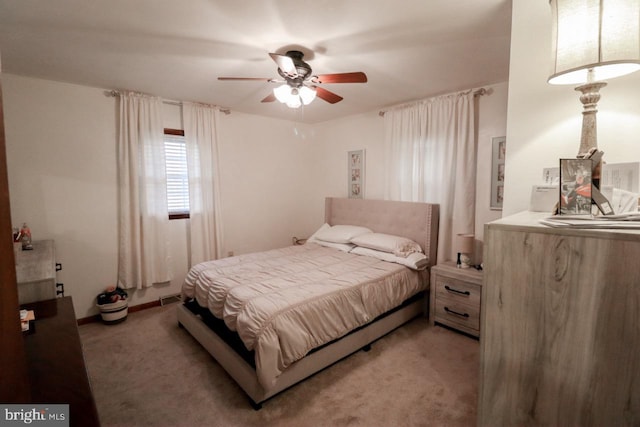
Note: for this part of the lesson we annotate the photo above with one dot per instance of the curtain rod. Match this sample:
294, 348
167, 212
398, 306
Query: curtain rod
476, 92
115, 93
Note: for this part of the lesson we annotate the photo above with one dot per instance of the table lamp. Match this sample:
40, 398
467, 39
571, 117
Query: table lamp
593, 40
464, 247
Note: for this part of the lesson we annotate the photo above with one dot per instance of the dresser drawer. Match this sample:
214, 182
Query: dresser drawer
453, 313
457, 290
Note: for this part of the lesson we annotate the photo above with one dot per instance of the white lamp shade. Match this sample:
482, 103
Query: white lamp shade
294, 101
282, 93
294, 97
603, 35
307, 94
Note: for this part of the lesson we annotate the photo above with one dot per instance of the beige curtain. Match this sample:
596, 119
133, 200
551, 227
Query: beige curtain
431, 157
143, 252
205, 231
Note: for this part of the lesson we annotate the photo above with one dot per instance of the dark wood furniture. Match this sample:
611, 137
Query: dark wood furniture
57, 373
14, 387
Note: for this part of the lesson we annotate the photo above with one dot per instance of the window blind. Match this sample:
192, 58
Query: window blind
177, 176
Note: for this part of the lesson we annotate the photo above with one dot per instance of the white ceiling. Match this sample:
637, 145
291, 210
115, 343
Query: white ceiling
409, 49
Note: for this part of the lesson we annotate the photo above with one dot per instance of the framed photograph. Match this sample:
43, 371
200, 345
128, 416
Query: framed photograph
499, 152
356, 174
575, 186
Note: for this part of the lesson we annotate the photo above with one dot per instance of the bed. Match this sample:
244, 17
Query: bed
341, 302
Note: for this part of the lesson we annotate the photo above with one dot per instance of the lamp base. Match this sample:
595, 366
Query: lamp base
589, 98
464, 261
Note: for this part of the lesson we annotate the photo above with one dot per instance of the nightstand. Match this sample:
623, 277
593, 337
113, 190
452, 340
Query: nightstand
455, 297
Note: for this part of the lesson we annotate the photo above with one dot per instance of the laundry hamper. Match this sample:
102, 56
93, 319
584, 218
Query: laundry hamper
113, 305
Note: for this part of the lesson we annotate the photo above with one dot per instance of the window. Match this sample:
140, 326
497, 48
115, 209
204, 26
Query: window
177, 177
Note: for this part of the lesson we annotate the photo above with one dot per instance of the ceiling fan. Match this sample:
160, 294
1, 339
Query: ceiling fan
299, 85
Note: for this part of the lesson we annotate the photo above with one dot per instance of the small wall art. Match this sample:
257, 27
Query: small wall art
356, 174
499, 152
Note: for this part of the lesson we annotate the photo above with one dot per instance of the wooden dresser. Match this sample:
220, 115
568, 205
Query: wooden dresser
560, 325
455, 297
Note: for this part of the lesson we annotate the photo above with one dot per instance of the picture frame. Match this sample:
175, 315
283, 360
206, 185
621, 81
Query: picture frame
498, 157
575, 187
355, 177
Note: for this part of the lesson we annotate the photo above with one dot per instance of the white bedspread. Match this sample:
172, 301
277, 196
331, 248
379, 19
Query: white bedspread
285, 302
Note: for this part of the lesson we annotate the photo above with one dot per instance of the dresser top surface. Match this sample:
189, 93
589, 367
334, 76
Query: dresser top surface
449, 268
527, 221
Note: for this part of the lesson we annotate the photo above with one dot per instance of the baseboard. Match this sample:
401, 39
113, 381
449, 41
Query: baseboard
90, 319
146, 305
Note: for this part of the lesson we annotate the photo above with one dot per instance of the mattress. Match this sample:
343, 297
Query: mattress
285, 302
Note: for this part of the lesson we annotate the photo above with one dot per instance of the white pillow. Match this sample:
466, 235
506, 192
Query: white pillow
340, 233
415, 261
344, 247
399, 246
313, 237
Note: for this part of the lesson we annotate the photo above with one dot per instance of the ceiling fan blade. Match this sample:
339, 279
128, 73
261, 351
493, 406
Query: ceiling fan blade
269, 98
285, 64
357, 77
261, 79
328, 96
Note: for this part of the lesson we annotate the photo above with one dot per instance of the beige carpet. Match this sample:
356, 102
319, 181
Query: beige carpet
147, 371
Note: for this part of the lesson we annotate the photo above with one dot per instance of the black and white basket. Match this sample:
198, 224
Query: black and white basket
116, 311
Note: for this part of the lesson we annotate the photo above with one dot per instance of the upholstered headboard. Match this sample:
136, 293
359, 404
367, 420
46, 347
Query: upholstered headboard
413, 220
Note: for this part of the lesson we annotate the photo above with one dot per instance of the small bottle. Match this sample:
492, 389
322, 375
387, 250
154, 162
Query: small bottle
26, 237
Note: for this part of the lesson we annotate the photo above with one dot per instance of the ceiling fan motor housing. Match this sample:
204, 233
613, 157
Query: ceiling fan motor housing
303, 69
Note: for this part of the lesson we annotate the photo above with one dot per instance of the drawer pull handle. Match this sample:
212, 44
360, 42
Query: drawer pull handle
450, 289
448, 310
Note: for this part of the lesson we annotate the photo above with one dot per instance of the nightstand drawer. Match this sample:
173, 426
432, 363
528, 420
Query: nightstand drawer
451, 311
457, 290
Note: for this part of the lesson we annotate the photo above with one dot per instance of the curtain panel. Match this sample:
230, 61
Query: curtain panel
143, 238
431, 157
205, 231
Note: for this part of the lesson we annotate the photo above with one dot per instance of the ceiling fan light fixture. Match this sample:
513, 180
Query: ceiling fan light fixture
294, 100
294, 97
307, 94
282, 93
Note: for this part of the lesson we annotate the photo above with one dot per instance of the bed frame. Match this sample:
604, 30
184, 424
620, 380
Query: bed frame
417, 221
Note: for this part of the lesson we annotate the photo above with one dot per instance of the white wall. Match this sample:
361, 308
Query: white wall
275, 174
60, 147
544, 121
492, 122
269, 182
337, 137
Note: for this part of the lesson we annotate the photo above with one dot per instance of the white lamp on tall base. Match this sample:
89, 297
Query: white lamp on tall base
593, 40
